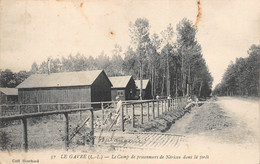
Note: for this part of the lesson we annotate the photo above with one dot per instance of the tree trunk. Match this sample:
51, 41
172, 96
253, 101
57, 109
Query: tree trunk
176, 85
183, 77
162, 92
141, 80
152, 82
188, 84
200, 88
168, 76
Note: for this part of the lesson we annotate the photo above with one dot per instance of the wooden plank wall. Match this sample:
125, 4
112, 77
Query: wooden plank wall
101, 89
54, 95
130, 86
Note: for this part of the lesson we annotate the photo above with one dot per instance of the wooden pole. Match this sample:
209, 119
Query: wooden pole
170, 104
92, 138
25, 137
103, 112
126, 109
133, 115
177, 104
66, 131
142, 114
19, 109
165, 105
158, 108
59, 109
80, 113
173, 103
148, 112
153, 110
162, 106
122, 118
38, 108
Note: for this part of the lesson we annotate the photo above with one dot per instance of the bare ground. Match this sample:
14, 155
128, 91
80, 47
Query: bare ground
225, 120
227, 130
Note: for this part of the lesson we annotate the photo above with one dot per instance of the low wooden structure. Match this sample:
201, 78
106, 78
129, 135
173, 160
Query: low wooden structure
8, 96
124, 87
146, 89
86, 86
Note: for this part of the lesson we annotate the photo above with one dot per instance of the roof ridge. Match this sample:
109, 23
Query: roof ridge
61, 79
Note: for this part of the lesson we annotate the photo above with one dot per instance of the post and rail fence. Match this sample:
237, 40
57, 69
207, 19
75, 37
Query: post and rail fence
141, 111
24, 117
153, 109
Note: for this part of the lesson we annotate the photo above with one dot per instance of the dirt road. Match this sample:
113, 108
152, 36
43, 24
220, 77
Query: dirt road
244, 111
227, 130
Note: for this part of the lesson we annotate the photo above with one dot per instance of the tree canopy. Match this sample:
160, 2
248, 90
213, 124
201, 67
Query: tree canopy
242, 77
173, 61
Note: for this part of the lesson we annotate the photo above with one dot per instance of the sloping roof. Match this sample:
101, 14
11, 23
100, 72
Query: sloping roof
63, 79
138, 83
9, 91
119, 81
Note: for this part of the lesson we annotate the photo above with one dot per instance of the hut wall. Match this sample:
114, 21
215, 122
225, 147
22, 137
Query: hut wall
101, 89
130, 91
118, 92
148, 91
54, 95
3, 98
12, 99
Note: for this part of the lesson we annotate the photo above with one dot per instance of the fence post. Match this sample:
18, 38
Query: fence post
170, 104
25, 137
177, 104
80, 113
122, 118
19, 109
158, 108
133, 115
153, 110
66, 131
162, 106
173, 103
142, 115
148, 111
103, 112
59, 109
126, 109
38, 107
165, 105
92, 138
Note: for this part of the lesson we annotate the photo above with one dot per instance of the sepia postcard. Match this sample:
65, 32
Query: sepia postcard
129, 81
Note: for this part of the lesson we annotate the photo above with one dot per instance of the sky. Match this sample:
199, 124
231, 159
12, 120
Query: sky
35, 30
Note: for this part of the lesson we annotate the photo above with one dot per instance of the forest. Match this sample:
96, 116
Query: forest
242, 77
172, 60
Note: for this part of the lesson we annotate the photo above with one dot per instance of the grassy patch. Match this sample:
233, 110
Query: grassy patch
209, 117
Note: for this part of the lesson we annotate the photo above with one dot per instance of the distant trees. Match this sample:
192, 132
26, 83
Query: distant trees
172, 61
242, 77
9, 79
